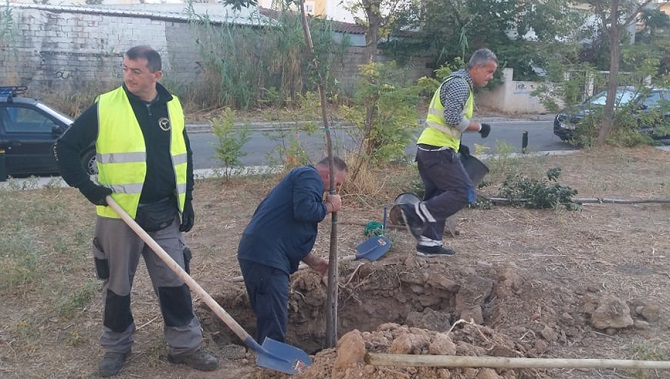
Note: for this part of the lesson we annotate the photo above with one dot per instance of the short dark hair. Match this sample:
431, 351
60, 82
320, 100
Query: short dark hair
338, 162
145, 52
481, 56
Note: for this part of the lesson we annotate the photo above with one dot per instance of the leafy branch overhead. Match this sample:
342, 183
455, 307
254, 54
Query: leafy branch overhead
239, 4
527, 192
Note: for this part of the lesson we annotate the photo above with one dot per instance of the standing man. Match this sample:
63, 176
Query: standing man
145, 163
448, 188
281, 233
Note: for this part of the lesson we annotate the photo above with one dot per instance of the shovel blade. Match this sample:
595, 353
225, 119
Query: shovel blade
282, 357
373, 248
451, 225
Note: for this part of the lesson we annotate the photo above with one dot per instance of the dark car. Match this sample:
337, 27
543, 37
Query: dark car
642, 103
28, 129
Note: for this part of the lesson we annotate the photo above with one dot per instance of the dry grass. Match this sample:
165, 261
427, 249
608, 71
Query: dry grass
49, 294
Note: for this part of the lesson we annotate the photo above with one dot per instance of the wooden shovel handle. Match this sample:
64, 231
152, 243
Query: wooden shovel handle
183, 275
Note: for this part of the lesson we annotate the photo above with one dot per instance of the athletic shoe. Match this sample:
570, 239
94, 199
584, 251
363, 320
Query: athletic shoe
433, 251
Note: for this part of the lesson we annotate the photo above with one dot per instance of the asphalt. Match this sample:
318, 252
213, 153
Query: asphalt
57, 182
203, 127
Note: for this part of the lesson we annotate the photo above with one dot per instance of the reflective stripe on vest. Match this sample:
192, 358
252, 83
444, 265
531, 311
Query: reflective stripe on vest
121, 152
438, 132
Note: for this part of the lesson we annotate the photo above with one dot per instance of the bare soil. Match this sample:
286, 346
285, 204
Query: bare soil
530, 283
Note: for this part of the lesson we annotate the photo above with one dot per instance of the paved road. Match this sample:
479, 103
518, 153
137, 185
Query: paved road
262, 148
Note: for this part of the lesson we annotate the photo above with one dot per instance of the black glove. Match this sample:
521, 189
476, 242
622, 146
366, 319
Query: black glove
95, 193
485, 130
464, 150
187, 217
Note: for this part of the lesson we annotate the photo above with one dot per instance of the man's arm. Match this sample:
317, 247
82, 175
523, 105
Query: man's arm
316, 263
188, 214
454, 95
67, 151
190, 183
308, 205
68, 148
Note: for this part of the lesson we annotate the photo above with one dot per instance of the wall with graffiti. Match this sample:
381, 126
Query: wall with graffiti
69, 49
513, 96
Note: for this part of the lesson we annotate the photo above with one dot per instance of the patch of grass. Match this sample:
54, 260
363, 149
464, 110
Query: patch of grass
77, 299
27, 330
647, 352
155, 350
503, 160
19, 262
75, 339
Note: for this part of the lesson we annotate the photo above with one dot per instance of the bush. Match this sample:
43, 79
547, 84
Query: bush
230, 140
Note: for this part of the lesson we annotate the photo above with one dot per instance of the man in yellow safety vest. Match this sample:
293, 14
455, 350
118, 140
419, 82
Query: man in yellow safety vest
145, 164
448, 188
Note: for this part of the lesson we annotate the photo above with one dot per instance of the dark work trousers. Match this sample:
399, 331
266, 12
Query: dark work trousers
448, 189
267, 288
117, 250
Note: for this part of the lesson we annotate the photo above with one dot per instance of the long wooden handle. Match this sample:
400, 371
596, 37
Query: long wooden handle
183, 275
501, 362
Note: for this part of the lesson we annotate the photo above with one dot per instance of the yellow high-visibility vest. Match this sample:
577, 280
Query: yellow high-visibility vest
121, 151
437, 132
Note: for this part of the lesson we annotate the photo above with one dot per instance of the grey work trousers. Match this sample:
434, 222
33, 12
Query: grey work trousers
117, 249
447, 185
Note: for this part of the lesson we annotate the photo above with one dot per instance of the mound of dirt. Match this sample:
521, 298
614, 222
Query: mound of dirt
421, 306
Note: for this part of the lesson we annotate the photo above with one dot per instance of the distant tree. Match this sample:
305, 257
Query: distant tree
379, 17
614, 17
522, 33
656, 26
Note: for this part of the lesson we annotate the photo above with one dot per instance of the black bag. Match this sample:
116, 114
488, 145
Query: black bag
156, 216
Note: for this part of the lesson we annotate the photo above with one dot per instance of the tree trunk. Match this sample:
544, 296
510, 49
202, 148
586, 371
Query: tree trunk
373, 12
614, 34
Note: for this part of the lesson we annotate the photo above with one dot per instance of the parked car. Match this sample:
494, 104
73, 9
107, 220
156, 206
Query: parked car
28, 130
654, 100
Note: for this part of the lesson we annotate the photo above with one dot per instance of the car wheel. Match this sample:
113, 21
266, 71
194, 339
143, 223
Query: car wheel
88, 161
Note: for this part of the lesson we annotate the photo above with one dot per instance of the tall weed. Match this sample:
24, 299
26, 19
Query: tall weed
244, 67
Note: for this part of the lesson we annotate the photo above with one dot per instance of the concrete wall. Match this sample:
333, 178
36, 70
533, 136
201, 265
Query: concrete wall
356, 56
69, 49
63, 51
513, 96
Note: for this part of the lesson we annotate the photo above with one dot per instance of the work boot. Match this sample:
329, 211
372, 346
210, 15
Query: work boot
112, 363
412, 221
200, 360
433, 251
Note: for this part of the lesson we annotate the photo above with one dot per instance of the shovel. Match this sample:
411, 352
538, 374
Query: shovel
272, 354
375, 246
